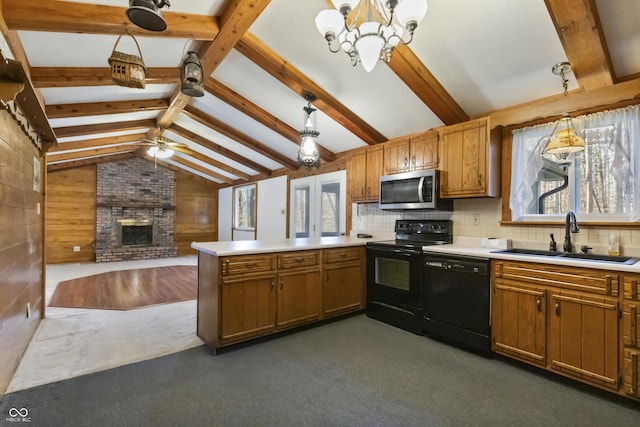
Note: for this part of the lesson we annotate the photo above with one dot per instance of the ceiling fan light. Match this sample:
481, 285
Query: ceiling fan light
411, 12
160, 153
329, 21
146, 14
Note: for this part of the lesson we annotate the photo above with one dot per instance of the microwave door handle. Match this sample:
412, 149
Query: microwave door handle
421, 190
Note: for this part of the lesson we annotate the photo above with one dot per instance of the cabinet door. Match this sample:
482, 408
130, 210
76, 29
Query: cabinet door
247, 307
396, 157
375, 166
298, 298
343, 288
464, 160
357, 175
630, 324
583, 337
631, 366
518, 321
424, 151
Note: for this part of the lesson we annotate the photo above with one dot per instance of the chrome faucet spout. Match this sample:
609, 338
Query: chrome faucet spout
571, 226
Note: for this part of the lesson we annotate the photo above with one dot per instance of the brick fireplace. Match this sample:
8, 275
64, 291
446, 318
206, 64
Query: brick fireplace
135, 211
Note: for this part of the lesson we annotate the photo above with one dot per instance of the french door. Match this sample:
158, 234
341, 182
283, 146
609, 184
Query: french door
318, 205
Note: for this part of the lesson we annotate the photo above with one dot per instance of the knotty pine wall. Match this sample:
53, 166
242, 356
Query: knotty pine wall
71, 215
196, 211
21, 245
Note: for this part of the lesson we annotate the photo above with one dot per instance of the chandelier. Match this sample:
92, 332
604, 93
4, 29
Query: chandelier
309, 156
367, 30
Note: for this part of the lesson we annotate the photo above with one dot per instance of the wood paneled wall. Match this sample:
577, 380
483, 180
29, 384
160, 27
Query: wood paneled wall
71, 215
196, 211
21, 245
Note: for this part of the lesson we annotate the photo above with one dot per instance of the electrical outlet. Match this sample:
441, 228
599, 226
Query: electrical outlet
76, 249
475, 219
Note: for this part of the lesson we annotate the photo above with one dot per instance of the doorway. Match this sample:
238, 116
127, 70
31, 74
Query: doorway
318, 205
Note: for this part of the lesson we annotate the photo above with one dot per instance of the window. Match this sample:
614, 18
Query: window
245, 207
600, 183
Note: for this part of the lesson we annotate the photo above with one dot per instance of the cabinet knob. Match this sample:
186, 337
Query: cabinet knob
281, 283
557, 308
272, 284
539, 304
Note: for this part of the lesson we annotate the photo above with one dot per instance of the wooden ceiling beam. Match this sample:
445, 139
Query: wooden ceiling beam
94, 76
90, 161
97, 142
237, 101
72, 17
59, 111
580, 31
214, 163
68, 131
230, 132
557, 105
276, 66
419, 79
92, 152
192, 136
235, 20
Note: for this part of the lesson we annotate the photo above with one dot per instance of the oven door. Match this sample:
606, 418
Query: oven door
394, 275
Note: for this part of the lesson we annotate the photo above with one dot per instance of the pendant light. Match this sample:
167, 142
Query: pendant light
308, 155
146, 14
191, 76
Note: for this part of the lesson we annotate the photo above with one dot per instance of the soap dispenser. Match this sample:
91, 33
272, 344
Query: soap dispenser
552, 244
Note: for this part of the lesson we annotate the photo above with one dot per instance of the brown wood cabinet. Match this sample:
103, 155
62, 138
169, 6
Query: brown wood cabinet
412, 154
298, 288
631, 335
344, 281
470, 160
241, 297
564, 319
364, 169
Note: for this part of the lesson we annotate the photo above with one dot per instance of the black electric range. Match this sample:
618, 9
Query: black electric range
394, 272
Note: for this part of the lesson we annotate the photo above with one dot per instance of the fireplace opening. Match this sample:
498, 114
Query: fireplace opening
136, 232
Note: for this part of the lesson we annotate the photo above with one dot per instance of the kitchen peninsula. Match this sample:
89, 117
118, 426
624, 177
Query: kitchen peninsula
248, 289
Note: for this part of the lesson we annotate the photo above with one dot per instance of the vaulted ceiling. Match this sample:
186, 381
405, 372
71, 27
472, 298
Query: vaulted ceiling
468, 59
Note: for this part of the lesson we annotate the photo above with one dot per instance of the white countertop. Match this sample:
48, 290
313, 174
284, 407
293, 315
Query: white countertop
477, 251
243, 247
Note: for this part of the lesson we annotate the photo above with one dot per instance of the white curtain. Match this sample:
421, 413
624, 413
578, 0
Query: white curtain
621, 127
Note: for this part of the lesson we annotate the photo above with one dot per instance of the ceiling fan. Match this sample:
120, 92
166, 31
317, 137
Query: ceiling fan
162, 147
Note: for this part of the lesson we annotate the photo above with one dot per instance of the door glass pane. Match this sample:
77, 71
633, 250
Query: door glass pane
330, 204
302, 211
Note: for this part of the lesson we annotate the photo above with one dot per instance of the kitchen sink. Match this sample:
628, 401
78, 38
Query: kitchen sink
521, 251
581, 256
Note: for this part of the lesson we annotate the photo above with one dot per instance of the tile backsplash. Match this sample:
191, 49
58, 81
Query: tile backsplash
481, 218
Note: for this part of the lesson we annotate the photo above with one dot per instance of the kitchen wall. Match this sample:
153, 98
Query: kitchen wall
21, 244
481, 218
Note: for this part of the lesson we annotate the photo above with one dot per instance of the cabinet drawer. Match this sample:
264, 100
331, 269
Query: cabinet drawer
631, 368
578, 279
630, 327
247, 264
298, 259
341, 255
630, 287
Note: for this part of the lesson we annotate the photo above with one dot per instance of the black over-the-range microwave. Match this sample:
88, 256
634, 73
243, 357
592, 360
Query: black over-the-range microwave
413, 190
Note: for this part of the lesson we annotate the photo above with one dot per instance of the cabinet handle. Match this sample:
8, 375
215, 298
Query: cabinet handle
300, 259
227, 265
281, 283
557, 308
634, 373
634, 289
539, 304
272, 284
608, 284
252, 265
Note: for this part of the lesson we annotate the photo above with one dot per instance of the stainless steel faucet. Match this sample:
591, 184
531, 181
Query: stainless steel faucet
571, 226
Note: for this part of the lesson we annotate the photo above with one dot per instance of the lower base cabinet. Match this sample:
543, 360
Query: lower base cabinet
247, 296
572, 321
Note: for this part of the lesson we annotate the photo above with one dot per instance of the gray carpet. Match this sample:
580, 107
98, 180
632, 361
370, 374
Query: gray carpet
353, 372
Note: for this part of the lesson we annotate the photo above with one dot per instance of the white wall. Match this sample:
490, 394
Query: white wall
225, 214
272, 208
272, 212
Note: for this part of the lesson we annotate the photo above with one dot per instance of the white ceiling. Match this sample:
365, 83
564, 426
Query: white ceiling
487, 55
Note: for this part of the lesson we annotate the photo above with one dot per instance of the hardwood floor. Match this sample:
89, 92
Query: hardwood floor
127, 289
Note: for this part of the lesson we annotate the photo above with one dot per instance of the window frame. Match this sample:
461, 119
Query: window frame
236, 191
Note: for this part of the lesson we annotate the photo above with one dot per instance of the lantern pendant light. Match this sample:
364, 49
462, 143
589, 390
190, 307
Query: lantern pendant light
191, 76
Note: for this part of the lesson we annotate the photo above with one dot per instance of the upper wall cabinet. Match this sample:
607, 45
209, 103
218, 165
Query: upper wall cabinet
470, 160
410, 154
364, 169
